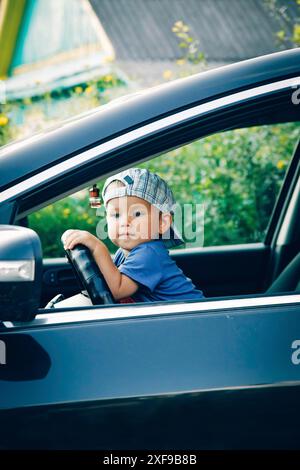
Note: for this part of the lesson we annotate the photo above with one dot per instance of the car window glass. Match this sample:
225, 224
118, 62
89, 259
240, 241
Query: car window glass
226, 186
234, 177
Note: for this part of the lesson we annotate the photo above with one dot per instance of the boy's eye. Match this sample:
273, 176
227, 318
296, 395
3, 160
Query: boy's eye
137, 213
116, 215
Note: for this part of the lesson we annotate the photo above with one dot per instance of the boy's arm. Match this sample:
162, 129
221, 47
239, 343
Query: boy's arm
119, 284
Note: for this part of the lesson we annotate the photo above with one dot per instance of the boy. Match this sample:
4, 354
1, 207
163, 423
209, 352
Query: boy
139, 217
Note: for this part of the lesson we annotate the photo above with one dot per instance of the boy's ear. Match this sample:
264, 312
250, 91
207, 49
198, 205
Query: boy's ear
165, 221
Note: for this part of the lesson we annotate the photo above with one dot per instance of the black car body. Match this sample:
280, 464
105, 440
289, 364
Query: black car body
221, 373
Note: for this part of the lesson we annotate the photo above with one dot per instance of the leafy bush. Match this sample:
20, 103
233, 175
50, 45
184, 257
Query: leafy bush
288, 17
33, 114
53, 220
5, 129
236, 175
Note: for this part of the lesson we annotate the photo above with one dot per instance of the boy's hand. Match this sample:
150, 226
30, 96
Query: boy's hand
121, 286
71, 238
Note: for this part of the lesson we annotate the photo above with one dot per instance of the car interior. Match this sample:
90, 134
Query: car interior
289, 279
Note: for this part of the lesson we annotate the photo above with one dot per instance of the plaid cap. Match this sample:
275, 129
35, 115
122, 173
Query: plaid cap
150, 187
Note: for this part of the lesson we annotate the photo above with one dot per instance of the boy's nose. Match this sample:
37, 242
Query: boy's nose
125, 221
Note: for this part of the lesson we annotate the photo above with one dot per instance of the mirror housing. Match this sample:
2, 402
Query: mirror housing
21, 265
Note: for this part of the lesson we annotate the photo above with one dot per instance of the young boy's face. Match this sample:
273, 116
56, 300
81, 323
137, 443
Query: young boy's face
131, 221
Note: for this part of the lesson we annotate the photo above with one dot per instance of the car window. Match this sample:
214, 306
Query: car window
234, 176
226, 186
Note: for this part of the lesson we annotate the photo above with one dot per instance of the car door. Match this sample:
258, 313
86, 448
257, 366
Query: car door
209, 375
233, 254
219, 373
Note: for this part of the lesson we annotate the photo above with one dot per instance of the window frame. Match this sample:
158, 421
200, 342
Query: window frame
42, 189
141, 144
103, 313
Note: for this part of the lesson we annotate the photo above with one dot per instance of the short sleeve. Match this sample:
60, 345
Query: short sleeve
143, 266
118, 257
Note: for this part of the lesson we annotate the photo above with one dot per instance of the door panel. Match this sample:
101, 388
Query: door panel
58, 278
226, 271
202, 380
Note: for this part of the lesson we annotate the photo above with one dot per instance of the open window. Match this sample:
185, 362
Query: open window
227, 185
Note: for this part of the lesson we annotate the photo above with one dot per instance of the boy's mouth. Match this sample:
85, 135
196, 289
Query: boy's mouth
128, 236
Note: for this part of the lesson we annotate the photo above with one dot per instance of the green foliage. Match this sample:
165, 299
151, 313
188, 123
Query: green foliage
94, 87
290, 24
5, 128
188, 45
30, 115
53, 220
236, 175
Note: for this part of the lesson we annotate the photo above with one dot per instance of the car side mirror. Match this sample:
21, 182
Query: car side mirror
20, 273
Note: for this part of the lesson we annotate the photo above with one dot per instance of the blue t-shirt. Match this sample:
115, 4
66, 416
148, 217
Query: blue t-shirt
159, 278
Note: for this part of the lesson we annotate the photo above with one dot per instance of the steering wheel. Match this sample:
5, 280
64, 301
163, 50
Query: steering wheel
89, 275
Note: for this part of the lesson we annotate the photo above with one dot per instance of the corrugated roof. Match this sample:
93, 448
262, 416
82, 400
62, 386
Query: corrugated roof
227, 30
